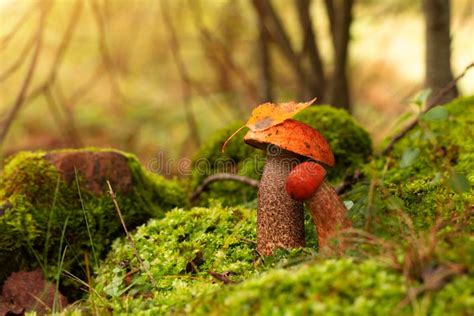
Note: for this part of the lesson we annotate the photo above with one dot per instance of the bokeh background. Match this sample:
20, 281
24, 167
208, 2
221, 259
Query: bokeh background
158, 77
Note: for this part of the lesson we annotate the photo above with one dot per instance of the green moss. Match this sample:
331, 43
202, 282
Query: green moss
429, 174
334, 287
180, 251
350, 143
221, 239
36, 204
441, 143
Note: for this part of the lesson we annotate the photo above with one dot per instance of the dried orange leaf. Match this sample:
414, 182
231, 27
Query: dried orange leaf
269, 114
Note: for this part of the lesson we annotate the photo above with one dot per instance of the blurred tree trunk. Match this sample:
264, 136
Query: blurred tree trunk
311, 50
339, 13
438, 47
273, 25
265, 63
307, 65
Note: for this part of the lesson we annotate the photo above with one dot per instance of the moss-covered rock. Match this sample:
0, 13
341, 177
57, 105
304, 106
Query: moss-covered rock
350, 143
46, 212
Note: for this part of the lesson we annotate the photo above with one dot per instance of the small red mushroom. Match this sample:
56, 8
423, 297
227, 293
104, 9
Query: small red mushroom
306, 183
304, 179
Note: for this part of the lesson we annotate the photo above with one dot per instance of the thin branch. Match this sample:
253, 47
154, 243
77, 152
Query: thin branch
222, 177
183, 73
331, 14
8, 37
69, 118
201, 90
22, 57
39, 90
311, 50
349, 181
82, 90
223, 277
64, 123
222, 53
66, 39
279, 36
104, 49
431, 103
129, 237
10, 116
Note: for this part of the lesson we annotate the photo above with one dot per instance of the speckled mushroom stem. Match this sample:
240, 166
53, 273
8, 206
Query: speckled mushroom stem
328, 212
280, 219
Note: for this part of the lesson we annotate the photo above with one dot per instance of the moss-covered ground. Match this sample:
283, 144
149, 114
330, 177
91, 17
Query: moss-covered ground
411, 251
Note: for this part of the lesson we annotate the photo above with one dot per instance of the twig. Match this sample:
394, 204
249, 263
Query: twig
432, 103
349, 181
129, 237
222, 277
222, 177
10, 116
182, 71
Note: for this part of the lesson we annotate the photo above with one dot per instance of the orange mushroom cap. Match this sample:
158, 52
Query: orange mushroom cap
295, 137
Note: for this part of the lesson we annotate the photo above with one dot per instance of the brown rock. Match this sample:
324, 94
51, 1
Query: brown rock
28, 291
95, 168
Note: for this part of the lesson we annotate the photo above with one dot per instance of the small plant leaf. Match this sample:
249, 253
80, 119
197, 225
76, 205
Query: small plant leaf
348, 204
409, 156
422, 97
438, 113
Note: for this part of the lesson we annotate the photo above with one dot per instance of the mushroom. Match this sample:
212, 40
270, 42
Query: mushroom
280, 218
306, 183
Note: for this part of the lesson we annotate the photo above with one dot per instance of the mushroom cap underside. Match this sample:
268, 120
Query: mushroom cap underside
295, 137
